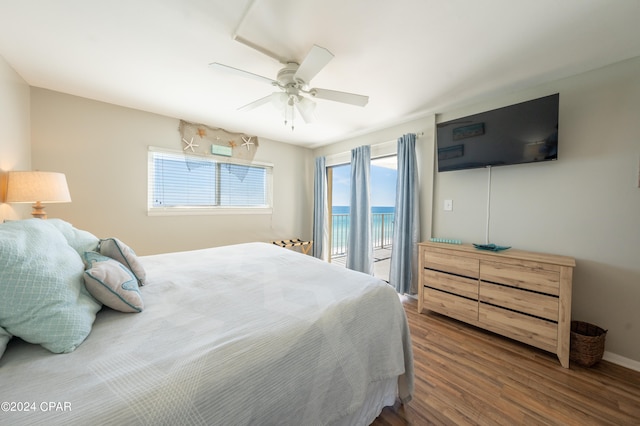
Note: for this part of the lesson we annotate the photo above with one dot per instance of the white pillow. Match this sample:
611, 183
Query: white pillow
112, 283
116, 249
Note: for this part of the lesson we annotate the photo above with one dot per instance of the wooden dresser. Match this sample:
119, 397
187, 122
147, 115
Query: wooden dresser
522, 295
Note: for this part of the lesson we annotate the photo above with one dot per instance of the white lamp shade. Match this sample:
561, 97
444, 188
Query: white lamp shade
34, 186
306, 108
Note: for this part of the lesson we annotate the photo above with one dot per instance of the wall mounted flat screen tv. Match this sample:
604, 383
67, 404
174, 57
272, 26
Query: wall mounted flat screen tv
522, 133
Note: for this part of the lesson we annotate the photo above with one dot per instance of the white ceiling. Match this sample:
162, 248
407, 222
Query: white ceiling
412, 57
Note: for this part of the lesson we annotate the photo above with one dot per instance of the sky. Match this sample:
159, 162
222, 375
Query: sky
383, 185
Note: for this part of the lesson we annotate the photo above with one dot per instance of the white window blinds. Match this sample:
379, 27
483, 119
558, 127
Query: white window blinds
180, 182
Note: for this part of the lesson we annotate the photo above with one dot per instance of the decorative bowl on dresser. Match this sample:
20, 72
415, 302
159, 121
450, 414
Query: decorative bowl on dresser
522, 295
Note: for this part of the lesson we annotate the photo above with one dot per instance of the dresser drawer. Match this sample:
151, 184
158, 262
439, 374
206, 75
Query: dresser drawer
523, 295
466, 287
539, 305
528, 275
533, 331
451, 262
450, 305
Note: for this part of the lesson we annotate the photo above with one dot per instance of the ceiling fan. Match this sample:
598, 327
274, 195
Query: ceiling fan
293, 82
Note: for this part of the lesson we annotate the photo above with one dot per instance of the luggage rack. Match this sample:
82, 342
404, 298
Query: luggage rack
305, 246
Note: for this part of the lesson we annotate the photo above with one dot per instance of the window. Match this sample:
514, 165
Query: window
182, 183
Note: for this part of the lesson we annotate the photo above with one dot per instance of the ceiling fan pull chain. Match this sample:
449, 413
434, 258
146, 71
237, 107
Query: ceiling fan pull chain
293, 116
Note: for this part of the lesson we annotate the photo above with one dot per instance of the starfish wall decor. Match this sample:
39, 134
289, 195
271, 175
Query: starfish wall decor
189, 144
247, 142
200, 139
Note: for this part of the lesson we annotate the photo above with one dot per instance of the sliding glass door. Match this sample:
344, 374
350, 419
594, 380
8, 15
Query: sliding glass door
383, 178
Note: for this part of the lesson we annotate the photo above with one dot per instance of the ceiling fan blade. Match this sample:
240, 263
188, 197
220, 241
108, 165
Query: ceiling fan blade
311, 65
241, 73
344, 97
259, 48
278, 99
256, 104
306, 107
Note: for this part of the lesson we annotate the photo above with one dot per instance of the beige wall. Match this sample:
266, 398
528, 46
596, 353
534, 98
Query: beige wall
585, 205
102, 148
15, 149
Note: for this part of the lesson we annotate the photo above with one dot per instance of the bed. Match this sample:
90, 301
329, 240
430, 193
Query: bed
239, 335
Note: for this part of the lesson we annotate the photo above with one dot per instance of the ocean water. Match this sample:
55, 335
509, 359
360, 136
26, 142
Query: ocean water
375, 209
381, 230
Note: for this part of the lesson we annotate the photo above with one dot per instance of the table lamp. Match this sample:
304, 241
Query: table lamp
37, 187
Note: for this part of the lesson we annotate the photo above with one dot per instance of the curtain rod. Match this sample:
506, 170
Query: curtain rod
418, 134
343, 157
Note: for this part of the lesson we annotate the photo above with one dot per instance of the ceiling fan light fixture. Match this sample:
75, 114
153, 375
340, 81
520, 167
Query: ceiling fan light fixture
279, 100
294, 81
306, 108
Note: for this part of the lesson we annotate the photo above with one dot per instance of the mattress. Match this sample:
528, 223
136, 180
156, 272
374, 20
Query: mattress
237, 335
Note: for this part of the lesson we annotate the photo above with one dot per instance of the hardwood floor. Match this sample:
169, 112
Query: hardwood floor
468, 376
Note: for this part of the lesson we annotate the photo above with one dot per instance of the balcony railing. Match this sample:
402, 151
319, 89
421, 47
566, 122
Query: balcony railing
381, 231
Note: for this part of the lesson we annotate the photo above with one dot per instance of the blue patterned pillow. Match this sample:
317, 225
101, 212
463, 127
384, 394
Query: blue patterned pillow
43, 299
112, 283
80, 240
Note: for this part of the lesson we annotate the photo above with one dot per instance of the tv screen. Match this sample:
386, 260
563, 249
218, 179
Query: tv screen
522, 133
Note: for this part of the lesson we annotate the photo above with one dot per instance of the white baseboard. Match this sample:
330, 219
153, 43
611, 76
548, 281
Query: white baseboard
620, 360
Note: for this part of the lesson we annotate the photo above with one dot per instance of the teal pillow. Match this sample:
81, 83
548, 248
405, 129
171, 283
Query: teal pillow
4, 339
43, 299
80, 240
112, 283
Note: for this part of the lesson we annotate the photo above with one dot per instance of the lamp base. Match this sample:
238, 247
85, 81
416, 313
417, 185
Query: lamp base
38, 211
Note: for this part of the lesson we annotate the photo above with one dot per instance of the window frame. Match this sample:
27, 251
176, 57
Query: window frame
206, 210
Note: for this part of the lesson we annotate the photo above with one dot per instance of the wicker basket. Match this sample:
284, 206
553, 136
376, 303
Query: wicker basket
587, 343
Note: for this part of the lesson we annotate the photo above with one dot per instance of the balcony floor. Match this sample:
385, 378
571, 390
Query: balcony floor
381, 262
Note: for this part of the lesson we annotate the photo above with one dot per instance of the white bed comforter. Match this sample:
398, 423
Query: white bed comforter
238, 335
